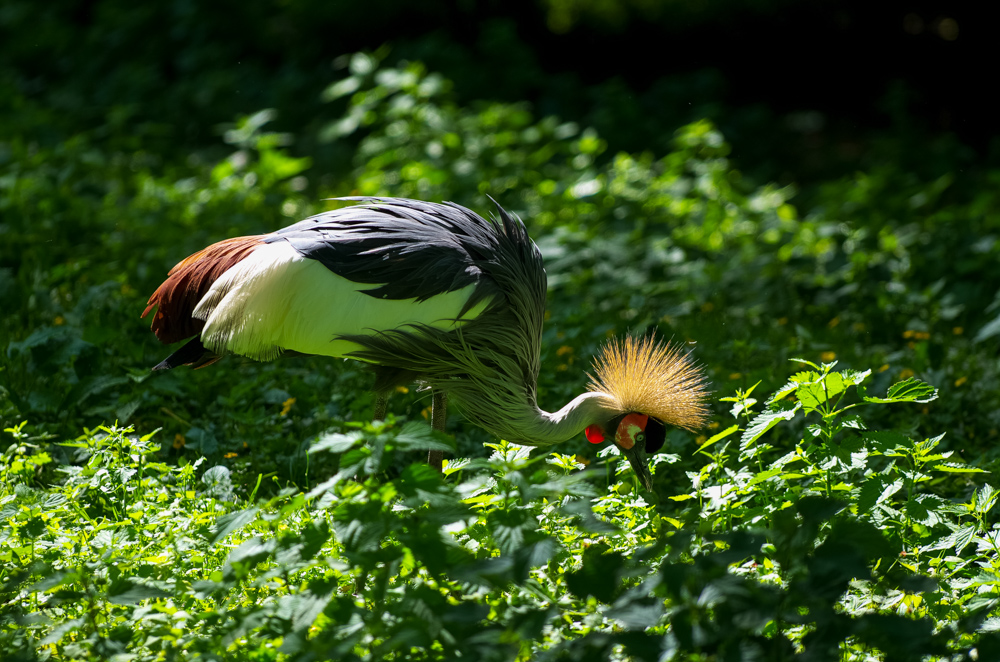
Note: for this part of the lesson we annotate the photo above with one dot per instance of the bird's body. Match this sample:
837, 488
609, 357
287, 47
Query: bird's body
419, 290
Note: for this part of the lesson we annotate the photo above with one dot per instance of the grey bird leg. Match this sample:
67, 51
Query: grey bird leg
439, 415
381, 403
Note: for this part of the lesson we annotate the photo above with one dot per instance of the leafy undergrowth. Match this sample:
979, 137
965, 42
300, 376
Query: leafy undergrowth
834, 547
822, 523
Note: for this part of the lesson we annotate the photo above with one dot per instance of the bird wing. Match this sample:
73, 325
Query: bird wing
276, 299
402, 249
320, 285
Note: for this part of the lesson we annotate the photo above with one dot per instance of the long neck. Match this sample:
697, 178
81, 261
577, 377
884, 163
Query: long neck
541, 428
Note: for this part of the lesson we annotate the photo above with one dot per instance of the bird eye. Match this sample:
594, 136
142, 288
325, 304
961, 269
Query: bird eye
640, 438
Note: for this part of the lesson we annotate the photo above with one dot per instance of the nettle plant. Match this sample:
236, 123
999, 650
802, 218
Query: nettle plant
832, 550
836, 454
893, 545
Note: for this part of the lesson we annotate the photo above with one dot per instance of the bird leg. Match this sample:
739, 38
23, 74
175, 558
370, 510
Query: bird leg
381, 403
439, 415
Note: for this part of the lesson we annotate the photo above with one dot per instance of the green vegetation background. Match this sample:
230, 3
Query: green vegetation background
136, 140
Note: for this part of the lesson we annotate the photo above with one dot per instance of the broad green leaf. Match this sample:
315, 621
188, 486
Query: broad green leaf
806, 377
252, 550
129, 591
988, 330
585, 518
362, 528
908, 390
957, 540
888, 441
231, 522
637, 616
925, 509
509, 528
817, 393
718, 437
454, 465
57, 633
54, 580
765, 421
854, 377
305, 607
877, 489
764, 475
337, 442
986, 497
782, 392
957, 468
854, 422
925, 446
418, 436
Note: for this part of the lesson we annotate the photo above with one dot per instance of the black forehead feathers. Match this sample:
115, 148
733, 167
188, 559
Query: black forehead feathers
656, 435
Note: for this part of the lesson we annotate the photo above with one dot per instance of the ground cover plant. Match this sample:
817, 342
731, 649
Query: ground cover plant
839, 506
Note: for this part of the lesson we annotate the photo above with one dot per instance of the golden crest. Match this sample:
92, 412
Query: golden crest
658, 379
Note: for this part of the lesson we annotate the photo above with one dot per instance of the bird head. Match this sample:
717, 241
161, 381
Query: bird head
649, 385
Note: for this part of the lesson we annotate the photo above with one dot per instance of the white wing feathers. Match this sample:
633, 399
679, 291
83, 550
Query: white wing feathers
276, 299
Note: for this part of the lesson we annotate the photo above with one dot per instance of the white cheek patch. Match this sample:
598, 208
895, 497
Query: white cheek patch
630, 426
626, 435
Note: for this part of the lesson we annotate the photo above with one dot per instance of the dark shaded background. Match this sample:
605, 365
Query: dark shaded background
834, 72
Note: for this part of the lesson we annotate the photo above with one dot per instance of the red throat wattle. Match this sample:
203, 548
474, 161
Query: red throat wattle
595, 434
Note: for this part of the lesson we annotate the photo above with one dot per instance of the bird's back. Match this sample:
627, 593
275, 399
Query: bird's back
421, 288
402, 249
488, 366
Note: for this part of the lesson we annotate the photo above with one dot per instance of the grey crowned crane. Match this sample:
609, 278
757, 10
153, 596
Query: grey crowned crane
429, 292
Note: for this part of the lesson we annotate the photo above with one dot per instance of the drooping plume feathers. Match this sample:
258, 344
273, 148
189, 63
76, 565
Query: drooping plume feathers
658, 379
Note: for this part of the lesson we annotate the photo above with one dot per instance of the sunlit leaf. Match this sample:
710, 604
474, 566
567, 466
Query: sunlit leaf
337, 442
854, 377
958, 468
957, 540
765, 421
231, 522
908, 390
817, 393
925, 509
986, 497
718, 437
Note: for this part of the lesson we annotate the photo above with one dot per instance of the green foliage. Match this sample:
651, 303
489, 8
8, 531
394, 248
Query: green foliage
828, 552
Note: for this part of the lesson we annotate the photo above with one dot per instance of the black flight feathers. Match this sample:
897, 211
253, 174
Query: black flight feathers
410, 249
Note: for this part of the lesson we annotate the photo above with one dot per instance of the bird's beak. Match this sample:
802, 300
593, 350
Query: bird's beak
637, 458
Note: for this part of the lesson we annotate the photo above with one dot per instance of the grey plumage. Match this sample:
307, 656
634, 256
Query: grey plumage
489, 366
406, 249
